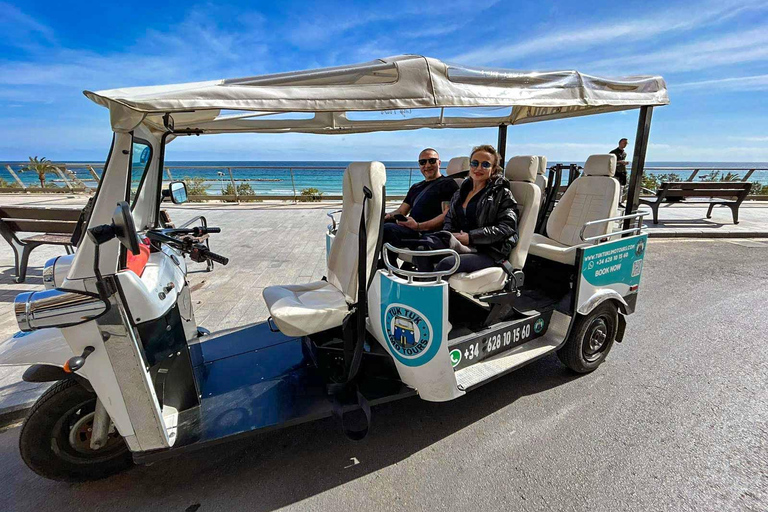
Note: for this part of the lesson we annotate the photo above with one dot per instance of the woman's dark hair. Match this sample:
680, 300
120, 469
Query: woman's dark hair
497, 168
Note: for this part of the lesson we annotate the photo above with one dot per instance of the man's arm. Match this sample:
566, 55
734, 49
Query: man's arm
428, 225
403, 209
447, 194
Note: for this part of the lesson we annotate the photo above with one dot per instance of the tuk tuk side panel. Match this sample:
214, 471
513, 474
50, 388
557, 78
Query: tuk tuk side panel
410, 320
610, 270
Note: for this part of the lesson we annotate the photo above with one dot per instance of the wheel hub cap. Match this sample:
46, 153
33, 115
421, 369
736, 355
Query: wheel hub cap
598, 335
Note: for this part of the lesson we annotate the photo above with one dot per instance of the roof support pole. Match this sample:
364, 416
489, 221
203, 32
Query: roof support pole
638, 162
502, 143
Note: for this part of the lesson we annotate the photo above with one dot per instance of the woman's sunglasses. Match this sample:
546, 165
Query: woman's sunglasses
484, 165
423, 161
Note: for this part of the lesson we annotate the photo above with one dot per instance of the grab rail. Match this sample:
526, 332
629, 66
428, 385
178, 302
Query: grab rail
438, 274
332, 227
637, 229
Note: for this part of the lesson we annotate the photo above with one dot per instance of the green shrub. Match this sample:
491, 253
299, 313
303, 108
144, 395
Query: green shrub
311, 194
243, 189
229, 190
8, 184
196, 186
654, 181
758, 189
716, 176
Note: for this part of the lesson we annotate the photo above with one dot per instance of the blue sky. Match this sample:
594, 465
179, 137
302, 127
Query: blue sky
714, 56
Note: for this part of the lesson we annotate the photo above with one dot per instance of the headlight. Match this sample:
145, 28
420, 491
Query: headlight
55, 308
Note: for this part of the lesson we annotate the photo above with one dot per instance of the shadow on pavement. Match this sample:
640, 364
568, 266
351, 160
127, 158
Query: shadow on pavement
279, 468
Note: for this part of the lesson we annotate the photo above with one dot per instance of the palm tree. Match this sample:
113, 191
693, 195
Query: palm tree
41, 166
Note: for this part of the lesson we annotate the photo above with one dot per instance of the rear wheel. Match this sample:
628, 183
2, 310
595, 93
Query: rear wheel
591, 338
55, 438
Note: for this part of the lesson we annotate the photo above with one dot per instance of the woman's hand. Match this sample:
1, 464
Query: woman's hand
462, 237
409, 223
387, 216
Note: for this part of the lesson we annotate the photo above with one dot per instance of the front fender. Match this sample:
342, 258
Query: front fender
44, 346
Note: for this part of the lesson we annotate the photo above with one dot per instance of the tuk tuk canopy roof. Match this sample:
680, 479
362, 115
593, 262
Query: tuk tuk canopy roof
395, 93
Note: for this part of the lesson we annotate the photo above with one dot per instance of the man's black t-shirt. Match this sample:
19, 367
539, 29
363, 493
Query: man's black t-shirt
621, 169
429, 205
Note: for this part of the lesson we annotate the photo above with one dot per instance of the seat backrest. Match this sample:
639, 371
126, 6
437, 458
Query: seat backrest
521, 173
541, 175
593, 196
342, 262
458, 165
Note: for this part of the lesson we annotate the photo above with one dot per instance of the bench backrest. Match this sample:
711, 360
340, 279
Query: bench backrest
704, 188
40, 219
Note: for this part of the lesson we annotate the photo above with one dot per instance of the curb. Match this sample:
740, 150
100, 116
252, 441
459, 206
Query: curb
737, 234
14, 413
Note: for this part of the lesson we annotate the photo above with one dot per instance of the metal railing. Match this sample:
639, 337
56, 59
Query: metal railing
242, 183
638, 229
410, 274
682, 173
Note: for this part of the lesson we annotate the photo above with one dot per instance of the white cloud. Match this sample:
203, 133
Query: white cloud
706, 52
742, 83
751, 139
17, 27
574, 38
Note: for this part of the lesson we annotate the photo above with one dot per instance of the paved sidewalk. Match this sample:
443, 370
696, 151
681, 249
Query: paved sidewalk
277, 243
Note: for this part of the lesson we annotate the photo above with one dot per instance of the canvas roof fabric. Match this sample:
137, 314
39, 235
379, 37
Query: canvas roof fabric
395, 93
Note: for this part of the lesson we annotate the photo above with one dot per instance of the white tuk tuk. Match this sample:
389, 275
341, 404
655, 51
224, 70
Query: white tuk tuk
138, 380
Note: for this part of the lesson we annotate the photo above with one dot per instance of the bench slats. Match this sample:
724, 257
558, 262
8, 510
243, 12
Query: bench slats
706, 185
704, 193
40, 226
39, 213
50, 239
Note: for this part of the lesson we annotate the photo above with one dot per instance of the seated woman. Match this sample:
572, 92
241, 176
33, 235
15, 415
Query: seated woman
482, 216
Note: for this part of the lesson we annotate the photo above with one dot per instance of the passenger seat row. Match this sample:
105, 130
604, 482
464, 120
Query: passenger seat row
303, 309
593, 196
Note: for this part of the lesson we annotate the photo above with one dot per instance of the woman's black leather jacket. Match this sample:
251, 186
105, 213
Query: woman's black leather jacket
496, 218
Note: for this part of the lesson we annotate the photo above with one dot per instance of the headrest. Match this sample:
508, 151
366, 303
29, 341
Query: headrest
600, 165
369, 174
457, 165
542, 165
522, 168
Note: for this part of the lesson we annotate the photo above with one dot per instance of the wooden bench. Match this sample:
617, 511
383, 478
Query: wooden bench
54, 225
713, 193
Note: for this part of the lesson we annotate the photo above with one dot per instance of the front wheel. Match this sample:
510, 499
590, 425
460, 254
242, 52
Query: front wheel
55, 438
591, 338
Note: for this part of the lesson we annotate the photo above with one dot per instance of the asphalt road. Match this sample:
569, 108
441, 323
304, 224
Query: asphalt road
676, 419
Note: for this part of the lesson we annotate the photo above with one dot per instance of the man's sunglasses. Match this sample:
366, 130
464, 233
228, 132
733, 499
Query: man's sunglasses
484, 165
423, 161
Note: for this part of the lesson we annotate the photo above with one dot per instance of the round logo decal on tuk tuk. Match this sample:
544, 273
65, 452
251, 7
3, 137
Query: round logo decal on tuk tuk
409, 334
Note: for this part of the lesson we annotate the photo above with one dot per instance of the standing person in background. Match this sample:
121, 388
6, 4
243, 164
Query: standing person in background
421, 210
621, 162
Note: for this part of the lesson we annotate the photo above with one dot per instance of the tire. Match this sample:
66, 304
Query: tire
55, 437
591, 338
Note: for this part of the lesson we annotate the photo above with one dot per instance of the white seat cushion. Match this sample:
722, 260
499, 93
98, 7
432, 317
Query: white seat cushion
552, 250
302, 309
480, 281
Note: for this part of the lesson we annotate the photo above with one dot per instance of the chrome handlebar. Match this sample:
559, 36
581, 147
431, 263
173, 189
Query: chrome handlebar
636, 230
332, 227
437, 274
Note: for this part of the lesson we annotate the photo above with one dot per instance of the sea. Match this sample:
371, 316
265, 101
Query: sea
286, 178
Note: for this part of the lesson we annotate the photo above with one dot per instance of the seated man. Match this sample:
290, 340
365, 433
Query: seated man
424, 203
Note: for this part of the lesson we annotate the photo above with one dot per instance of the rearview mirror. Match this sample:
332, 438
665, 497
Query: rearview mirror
124, 227
178, 192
